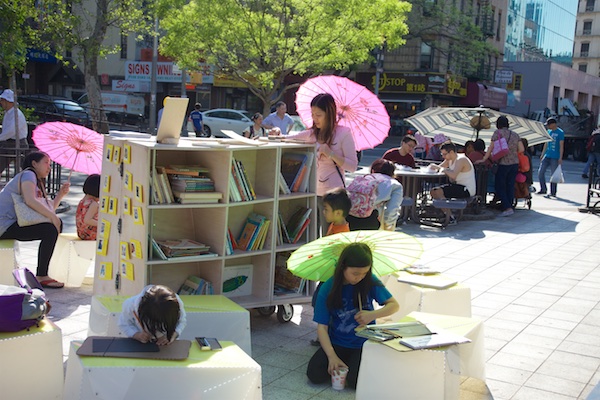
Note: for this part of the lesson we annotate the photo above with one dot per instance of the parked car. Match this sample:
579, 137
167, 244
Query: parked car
53, 108
223, 118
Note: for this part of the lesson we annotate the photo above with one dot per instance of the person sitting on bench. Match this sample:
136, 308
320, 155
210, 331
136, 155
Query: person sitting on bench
461, 173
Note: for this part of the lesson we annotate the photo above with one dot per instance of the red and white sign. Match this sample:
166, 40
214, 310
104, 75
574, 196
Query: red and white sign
141, 71
121, 85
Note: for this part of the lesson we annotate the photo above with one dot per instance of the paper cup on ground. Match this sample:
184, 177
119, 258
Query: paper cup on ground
338, 379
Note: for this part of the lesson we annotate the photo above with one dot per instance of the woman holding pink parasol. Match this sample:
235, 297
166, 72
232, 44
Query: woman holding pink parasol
30, 184
336, 151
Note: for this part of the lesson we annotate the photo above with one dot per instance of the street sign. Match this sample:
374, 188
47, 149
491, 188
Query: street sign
504, 76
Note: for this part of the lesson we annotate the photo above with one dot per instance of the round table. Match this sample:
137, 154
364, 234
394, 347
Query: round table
414, 182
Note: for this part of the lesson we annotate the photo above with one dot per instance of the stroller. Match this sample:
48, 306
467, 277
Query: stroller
523, 181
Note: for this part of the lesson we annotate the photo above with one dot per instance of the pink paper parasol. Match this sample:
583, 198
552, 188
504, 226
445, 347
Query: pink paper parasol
72, 146
358, 108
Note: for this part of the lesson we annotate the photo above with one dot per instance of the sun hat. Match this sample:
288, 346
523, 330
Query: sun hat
8, 95
439, 138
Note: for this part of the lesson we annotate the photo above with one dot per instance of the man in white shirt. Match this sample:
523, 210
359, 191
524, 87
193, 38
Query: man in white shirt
279, 119
7, 137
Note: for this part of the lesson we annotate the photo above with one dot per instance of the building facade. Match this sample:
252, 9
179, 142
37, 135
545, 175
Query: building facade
586, 50
538, 30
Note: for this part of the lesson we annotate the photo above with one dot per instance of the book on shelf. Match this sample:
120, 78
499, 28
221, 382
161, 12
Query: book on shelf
301, 231
283, 230
247, 183
231, 243
291, 165
190, 170
283, 187
194, 285
234, 194
252, 230
197, 197
259, 243
248, 231
303, 187
183, 248
165, 185
155, 190
297, 221
237, 181
157, 251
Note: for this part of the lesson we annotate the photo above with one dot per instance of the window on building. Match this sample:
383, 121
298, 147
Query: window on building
585, 49
583, 67
589, 5
587, 27
426, 60
499, 25
123, 46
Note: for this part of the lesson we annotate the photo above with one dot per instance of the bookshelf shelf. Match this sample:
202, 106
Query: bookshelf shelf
208, 223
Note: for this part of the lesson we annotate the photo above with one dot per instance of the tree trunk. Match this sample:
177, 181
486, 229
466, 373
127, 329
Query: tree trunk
92, 86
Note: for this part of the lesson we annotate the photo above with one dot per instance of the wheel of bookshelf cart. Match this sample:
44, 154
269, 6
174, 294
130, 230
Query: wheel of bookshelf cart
285, 312
266, 311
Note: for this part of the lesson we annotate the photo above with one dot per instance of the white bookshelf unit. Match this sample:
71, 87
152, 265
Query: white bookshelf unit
205, 223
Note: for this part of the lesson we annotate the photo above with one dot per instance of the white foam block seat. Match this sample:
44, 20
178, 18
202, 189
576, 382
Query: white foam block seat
71, 259
208, 375
9, 250
32, 363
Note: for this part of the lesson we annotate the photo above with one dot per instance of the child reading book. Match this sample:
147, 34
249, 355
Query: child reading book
154, 315
345, 302
86, 217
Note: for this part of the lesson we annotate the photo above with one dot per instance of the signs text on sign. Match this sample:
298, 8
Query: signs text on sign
504, 76
141, 71
121, 85
416, 83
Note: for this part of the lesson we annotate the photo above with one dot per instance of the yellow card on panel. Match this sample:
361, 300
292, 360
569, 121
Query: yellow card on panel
139, 192
104, 228
127, 153
126, 206
105, 272
106, 183
108, 152
127, 269
138, 217
128, 180
124, 249
104, 204
113, 204
102, 246
116, 155
136, 248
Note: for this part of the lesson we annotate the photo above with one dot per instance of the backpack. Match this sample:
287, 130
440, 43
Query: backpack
363, 195
594, 144
22, 307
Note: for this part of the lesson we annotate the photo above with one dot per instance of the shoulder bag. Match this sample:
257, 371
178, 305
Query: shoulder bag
27, 216
500, 147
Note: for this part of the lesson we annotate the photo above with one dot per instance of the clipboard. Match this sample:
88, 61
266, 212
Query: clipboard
172, 119
109, 346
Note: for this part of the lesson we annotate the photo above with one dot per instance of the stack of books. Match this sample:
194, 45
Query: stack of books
240, 186
191, 184
194, 285
161, 189
254, 233
295, 172
183, 248
285, 281
295, 227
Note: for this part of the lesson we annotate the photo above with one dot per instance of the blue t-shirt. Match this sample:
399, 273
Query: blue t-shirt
341, 322
196, 117
553, 148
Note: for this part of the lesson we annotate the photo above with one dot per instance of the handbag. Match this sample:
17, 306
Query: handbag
500, 148
27, 216
557, 176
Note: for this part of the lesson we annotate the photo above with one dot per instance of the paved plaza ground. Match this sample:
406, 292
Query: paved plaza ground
534, 279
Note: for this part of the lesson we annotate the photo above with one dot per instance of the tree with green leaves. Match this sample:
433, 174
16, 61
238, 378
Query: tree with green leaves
82, 26
458, 35
260, 42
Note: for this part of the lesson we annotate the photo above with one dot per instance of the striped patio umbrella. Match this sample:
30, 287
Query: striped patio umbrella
461, 124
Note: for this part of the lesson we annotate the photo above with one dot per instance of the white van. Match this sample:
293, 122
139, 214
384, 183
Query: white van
119, 102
